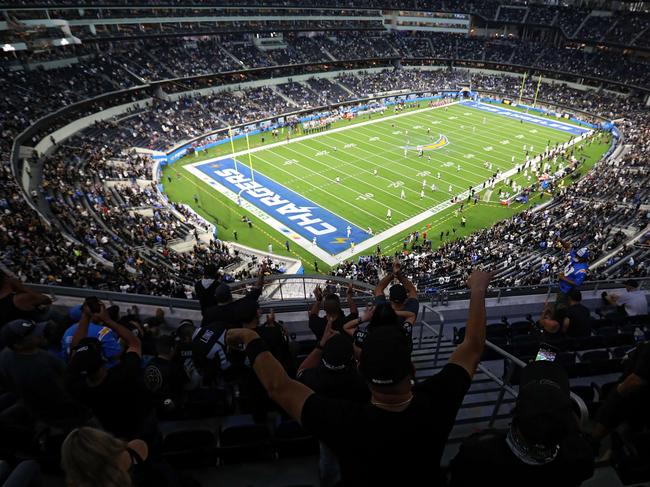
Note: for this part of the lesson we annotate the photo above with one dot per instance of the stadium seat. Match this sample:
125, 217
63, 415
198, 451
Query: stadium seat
241, 439
596, 324
496, 330
190, 448
594, 356
606, 331
289, 439
525, 345
520, 328
587, 343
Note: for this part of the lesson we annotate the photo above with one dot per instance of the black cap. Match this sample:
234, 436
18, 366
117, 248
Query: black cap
14, 331
87, 357
543, 410
386, 356
397, 293
337, 353
222, 294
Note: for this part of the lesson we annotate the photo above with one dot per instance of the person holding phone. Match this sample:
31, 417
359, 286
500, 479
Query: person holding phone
543, 445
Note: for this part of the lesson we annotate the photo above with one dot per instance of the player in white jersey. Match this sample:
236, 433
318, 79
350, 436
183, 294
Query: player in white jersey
338, 179
421, 193
424, 183
389, 214
450, 189
374, 172
313, 242
457, 167
349, 231
433, 187
438, 175
402, 195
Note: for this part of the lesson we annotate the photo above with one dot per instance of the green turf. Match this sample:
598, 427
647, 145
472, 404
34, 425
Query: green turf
310, 167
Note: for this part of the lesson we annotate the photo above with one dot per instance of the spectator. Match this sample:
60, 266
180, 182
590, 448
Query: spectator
403, 296
543, 445
165, 379
573, 275
333, 311
17, 301
117, 396
631, 303
330, 370
111, 348
628, 400
91, 457
400, 419
227, 310
577, 318
36, 377
206, 287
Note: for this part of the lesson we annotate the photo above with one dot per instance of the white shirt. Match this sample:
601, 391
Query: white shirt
635, 302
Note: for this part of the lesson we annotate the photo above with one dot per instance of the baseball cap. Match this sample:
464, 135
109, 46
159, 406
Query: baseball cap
397, 293
386, 356
337, 353
87, 357
222, 294
543, 410
583, 253
14, 331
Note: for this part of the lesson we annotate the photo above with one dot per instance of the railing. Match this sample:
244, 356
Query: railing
292, 292
511, 363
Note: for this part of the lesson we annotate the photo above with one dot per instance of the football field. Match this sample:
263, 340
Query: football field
368, 182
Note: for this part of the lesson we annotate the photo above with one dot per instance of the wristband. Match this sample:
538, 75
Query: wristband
254, 348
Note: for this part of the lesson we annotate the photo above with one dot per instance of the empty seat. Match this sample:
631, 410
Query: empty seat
241, 439
594, 356
525, 345
496, 330
290, 439
520, 328
190, 448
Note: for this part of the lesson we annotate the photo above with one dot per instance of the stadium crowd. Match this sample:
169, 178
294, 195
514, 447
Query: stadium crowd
94, 186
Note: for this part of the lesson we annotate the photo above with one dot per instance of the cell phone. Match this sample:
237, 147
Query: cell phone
93, 304
546, 353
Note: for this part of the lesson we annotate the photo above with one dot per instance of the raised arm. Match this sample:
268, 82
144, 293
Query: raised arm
314, 309
351, 304
82, 327
132, 342
411, 291
383, 284
313, 359
288, 393
468, 353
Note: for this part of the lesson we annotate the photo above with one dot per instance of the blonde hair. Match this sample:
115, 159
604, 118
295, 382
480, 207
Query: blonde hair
90, 458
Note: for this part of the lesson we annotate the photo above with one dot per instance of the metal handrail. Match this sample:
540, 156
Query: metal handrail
504, 384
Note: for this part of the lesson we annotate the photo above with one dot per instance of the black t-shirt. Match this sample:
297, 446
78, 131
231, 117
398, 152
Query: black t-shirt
411, 304
336, 384
379, 447
317, 324
121, 401
579, 321
165, 379
485, 459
